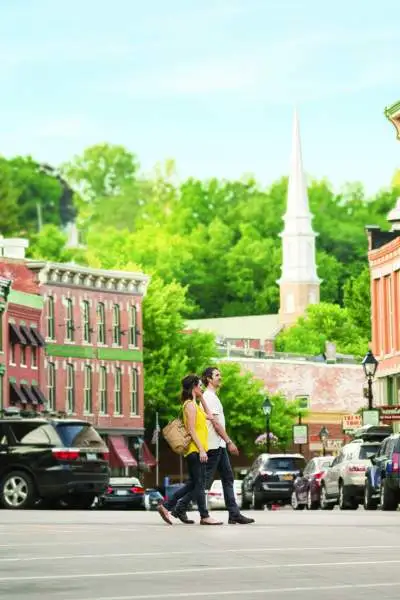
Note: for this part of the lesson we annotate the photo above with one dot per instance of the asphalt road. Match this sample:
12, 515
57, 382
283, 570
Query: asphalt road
96, 555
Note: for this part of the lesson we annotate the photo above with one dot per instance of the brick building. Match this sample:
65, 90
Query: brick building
92, 323
384, 262
74, 338
23, 344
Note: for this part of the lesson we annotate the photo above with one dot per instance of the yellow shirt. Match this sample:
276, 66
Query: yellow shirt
200, 428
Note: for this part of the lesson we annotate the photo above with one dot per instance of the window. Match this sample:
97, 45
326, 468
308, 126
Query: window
86, 322
134, 392
33, 357
22, 356
132, 326
116, 325
103, 390
69, 321
87, 391
51, 385
70, 389
12, 354
50, 318
117, 392
101, 323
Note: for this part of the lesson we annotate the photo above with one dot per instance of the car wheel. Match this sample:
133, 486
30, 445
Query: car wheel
256, 502
345, 502
17, 490
323, 502
311, 504
295, 503
78, 502
369, 502
388, 497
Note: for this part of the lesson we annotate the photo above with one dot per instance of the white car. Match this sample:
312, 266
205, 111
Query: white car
215, 496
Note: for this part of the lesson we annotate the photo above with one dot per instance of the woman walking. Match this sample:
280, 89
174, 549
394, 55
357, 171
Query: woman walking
195, 421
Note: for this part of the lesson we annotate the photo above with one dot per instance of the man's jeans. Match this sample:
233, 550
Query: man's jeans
218, 460
193, 488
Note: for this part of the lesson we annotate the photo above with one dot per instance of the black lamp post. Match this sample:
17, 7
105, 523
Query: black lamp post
267, 409
370, 365
323, 436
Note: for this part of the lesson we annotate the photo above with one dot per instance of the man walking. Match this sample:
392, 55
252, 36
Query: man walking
219, 444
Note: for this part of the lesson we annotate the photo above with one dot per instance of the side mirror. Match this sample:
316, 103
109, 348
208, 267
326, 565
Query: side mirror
301, 473
373, 459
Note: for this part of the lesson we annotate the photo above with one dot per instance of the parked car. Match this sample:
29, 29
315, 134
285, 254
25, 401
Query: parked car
152, 499
270, 479
50, 460
382, 477
215, 495
343, 482
307, 486
126, 492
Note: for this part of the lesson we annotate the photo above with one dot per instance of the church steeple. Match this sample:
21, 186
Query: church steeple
299, 282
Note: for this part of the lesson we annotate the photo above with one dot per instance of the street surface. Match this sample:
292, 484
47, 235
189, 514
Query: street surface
98, 555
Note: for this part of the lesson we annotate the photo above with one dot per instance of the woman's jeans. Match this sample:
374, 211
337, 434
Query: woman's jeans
194, 488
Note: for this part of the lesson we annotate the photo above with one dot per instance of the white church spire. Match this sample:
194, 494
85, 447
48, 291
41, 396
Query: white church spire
299, 282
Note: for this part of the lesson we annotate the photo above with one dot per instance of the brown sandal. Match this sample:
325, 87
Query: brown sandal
210, 521
164, 514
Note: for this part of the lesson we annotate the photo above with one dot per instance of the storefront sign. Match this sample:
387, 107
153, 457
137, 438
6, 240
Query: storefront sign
351, 422
390, 413
300, 434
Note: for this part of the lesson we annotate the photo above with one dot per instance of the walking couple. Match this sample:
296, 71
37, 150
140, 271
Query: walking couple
207, 453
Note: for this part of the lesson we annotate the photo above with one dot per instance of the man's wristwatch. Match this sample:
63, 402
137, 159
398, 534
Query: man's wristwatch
229, 442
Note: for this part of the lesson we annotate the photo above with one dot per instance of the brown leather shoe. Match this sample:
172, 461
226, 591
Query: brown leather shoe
210, 521
164, 514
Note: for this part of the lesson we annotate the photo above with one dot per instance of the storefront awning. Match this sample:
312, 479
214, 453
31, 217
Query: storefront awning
41, 398
38, 336
16, 394
26, 332
16, 336
120, 455
147, 456
27, 391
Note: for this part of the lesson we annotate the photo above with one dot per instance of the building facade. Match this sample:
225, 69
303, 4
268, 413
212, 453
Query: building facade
384, 263
23, 344
93, 367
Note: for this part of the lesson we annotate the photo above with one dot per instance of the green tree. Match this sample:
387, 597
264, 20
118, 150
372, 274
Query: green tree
357, 301
9, 213
323, 323
50, 244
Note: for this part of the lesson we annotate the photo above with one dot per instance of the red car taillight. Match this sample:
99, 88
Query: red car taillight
106, 456
65, 454
137, 490
109, 490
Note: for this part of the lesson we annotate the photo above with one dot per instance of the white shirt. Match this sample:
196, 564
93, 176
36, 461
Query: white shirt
215, 407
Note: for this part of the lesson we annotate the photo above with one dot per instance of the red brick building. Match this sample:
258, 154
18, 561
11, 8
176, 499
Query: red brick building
384, 262
23, 344
93, 329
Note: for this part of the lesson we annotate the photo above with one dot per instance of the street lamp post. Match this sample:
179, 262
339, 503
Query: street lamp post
323, 436
370, 365
267, 409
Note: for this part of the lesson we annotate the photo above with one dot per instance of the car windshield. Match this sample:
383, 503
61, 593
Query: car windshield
79, 435
367, 451
285, 463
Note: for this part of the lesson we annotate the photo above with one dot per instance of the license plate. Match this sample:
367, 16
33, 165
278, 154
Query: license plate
121, 492
286, 477
91, 456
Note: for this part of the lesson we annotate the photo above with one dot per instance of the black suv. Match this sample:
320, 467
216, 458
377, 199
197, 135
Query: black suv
270, 479
50, 459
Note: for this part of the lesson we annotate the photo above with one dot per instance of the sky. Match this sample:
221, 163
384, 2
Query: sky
209, 83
